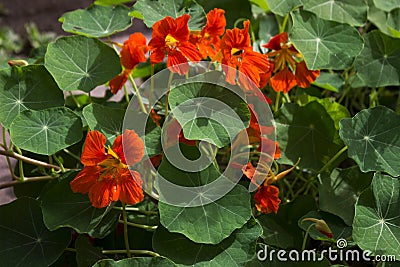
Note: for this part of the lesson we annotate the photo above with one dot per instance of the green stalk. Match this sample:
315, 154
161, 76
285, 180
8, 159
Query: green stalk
139, 97
306, 236
126, 238
335, 157
141, 226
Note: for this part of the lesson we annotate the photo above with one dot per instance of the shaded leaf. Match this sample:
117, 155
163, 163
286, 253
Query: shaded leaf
339, 191
233, 251
97, 21
46, 131
373, 141
86, 253
23, 88
81, 63
25, 240
283, 7
393, 19
387, 5
376, 225
324, 44
136, 262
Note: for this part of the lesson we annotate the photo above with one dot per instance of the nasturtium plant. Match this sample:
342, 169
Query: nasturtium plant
215, 133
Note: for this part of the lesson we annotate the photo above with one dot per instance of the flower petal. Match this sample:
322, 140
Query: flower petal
304, 76
94, 150
267, 199
85, 179
103, 192
129, 147
131, 190
118, 82
177, 63
283, 81
276, 41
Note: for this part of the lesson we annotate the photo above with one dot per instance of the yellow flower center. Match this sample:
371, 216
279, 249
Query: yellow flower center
170, 41
236, 52
111, 165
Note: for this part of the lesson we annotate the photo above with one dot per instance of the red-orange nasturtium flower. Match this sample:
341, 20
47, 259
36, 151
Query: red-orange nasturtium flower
171, 38
238, 54
106, 176
290, 69
208, 39
132, 53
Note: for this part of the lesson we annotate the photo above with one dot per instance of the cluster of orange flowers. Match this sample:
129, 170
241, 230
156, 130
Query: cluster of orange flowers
282, 67
106, 176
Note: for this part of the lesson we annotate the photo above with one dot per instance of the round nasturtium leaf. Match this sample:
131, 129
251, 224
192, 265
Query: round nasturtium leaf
386, 5
283, 7
46, 131
324, 44
353, 12
23, 88
153, 11
379, 62
81, 63
235, 250
372, 138
25, 240
136, 262
97, 21
376, 225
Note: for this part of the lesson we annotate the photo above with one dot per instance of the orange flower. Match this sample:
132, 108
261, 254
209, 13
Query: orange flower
288, 60
106, 176
208, 40
171, 38
238, 54
267, 199
132, 53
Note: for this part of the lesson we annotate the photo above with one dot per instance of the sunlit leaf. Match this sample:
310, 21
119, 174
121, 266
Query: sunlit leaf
324, 44
283, 7
353, 12
97, 21
25, 240
81, 63
376, 225
387, 5
23, 88
372, 138
46, 131
153, 11
233, 251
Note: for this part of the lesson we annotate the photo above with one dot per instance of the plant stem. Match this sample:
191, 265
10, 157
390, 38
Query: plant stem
171, 75
335, 157
7, 157
126, 238
133, 251
282, 27
75, 100
26, 180
139, 97
72, 154
306, 236
147, 212
276, 106
59, 163
20, 165
126, 94
146, 227
29, 160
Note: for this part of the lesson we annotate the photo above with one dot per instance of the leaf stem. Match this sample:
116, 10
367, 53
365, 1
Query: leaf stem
21, 158
27, 180
75, 100
139, 97
133, 251
59, 163
335, 157
72, 154
147, 212
171, 75
126, 238
20, 165
142, 226
126, 94
282, 26
306, 236
276, 106
7, 157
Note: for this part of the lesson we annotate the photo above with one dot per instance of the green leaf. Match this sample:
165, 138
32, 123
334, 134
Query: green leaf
81, 63
111, 2
23, 88
339, 190
63, 208
387, 5
377, 17
283, 7
330, 81
208, 112
281, 230
376, 225
155, 10
97, 21
372, 138
379, 62
25, 240
303, 135
233, 251
353, 12
86, 253
234, 10
393, 19
209, 223
46, 131
336, 224
104, 119
268, 27
136, 262
324, 44
261, 3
